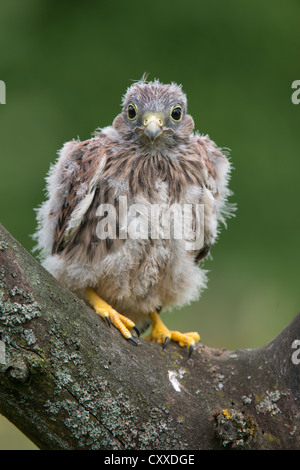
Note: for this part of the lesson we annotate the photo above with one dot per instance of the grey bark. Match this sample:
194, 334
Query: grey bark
68, 381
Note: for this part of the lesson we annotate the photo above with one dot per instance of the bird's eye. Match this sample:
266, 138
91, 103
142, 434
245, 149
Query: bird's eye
176, 113
131, 111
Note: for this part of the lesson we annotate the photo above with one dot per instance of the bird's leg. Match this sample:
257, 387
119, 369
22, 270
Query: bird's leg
122, 323
161, 334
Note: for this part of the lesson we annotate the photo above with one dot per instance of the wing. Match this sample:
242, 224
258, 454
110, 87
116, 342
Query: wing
216, 170
71, 186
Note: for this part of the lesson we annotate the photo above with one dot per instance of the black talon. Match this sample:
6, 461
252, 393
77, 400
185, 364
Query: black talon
133, 340
135, 328
167, 339
191, 349
107, 319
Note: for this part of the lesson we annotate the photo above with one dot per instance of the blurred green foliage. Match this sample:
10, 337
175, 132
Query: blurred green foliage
67, 64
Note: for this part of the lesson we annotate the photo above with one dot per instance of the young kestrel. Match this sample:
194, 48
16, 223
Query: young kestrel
149, 158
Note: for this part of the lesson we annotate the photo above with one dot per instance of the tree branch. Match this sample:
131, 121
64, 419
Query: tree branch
70, 382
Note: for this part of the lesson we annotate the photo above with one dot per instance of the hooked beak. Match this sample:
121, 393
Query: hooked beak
153, 126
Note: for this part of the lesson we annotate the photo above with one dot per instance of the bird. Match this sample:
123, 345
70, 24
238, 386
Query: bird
93, 232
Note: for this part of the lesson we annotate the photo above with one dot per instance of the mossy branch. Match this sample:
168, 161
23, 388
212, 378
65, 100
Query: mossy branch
70, 382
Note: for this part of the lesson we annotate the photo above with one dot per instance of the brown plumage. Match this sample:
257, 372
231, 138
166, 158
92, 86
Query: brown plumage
151, 157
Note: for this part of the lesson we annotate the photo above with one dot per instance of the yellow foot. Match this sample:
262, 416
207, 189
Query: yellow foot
161, 334
111, 316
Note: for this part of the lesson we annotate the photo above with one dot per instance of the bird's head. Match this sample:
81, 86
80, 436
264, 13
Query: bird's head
154, 113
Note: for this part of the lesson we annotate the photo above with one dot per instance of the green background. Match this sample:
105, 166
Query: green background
66, 65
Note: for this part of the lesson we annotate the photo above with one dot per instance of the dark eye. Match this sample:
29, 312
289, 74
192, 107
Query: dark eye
132, 111
176, 113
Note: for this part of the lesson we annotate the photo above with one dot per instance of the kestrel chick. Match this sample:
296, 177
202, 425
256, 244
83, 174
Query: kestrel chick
132, 211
